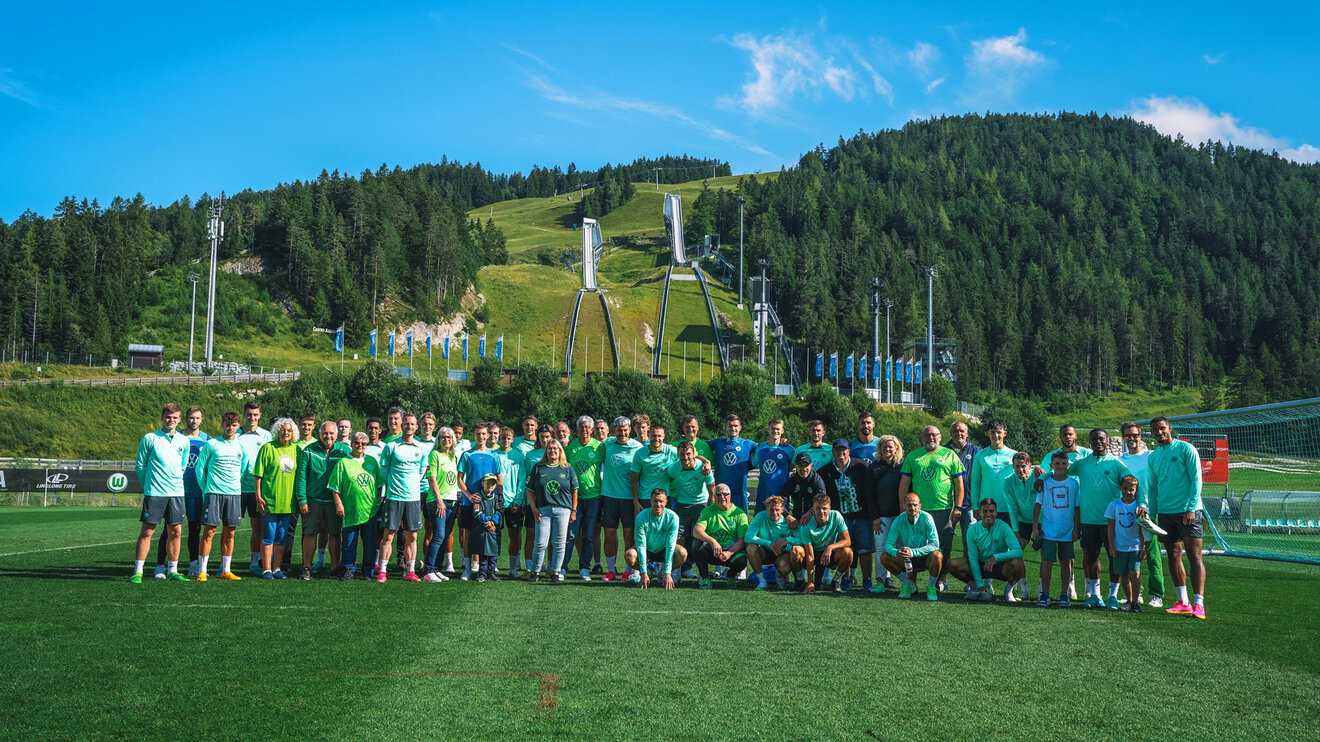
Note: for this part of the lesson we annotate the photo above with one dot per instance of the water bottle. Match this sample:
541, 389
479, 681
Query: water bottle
907, 566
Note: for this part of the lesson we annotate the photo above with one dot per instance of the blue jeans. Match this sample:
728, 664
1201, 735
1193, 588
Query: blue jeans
274, 529
440, 528
554, 518
366, 533
585, 528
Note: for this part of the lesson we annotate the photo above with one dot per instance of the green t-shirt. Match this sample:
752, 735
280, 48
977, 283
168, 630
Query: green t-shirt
820, 455
1097, 481
314, 467
701, 447
586, 460
763, 532
1021, 494
616, 472
932, 475
725, 526
277, 468
982, 543
656, 534
689, 486
515, 477
402, 466
357, 483
820, 535
653, 468
991, 469
444, 467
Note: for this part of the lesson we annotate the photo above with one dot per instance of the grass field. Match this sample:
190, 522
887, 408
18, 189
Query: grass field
93, 656
1121, 406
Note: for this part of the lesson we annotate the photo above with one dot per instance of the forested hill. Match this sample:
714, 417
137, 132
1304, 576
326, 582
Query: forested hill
1077, 252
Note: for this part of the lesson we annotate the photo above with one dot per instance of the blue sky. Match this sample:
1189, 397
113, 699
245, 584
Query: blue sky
171, 100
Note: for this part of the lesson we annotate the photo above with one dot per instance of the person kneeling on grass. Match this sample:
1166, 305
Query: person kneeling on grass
1127, 546
993, 553
720, 530
770, 542
1056, 521
484, 541
656, 532
913, 545
822, 535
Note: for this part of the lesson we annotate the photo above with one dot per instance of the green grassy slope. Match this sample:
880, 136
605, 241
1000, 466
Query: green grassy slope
602, 661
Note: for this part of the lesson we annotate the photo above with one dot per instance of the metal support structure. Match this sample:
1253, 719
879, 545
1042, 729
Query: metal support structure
889, 376
741, 201
931, 274
192, 318
760, 314
215, 231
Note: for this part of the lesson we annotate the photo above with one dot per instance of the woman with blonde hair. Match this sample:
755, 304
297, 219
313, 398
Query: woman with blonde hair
882, 490
552, 490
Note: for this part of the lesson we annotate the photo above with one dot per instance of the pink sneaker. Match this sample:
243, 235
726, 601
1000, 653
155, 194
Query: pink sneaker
380, 576
1198, 610
411, 577
609, 576
1181, 606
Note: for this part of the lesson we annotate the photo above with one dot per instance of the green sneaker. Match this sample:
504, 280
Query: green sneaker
136, 579
760, 585
1093, 602
907, 590
176, 577
1113, 604
878, 587
731, 581
932, 593
704, 584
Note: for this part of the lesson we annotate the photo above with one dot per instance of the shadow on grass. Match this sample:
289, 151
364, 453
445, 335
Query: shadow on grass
102, 571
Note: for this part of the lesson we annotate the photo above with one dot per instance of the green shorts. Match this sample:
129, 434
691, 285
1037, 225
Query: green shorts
1125, 562
1056, 551
321, 518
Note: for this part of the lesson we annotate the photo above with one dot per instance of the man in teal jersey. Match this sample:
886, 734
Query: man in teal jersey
656, 531
426, 427
526, 441
935, 474
770, 541
693, 490
993, 553
252, 437
161, 458
862, 448
825, 542
719, 532
617, 508
1175, 493
220, 469
691, 431
402, 467
1020, 513
650, 466
1137, 458
912, 545
991, 468
586, 455
1097, 476
315, 464
192, 494
815, 447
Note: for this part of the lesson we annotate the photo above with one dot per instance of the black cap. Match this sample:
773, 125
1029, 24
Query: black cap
802, 458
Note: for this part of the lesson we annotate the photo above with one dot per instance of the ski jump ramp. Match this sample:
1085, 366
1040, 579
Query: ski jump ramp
591, 253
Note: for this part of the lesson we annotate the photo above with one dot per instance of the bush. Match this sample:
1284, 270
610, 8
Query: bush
487, 375
940, 396
537, 390
743, 389
1029, 428
372, 388
824, 404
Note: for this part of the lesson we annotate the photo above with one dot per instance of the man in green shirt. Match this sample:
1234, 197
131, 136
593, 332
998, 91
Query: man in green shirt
692, 490
355, 485
993, 553
913, 545
825, 543
656, 532
526, 441
586, 455
1175, 494
315, 463
770, 541
719, 533
161, 458
991, 469
815, 447
691, 430
650, 466
935, 475
1097, 477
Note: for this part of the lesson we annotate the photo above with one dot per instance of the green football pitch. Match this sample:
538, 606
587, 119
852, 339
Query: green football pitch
89, 655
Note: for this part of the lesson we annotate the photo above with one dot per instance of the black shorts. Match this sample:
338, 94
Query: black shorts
918, 563
1024, 530
1173, 523
1094, 538
655, 556
156, 509
465, 517
614, 511
995, 574
517, 516
223, 510
250, 505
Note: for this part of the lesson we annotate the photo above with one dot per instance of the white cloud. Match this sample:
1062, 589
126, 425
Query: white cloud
528, 54
793, 65
595, 100
997, 67
930, 87
1196, 123
13, 87
923, 56
1213, 59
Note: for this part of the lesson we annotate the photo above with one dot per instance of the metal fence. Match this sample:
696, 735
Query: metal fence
148, 380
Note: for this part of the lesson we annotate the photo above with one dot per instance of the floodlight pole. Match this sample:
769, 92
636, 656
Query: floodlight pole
657, 177
931, 273
216, 233
192, 318
761, 313
889, 376
741, 201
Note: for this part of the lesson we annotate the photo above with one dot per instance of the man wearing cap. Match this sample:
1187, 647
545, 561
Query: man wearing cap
935, 475
845, 483
802, 486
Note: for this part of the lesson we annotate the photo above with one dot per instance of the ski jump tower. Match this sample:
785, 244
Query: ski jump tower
673, 211
591, 252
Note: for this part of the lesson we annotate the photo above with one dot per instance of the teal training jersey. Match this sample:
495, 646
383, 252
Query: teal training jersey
820, 535
654, 470
616, 472
656, 534
982, 543
220, 467
252, 443
1175, 478
689, 486
1097, 482
401, 467
991, 469
160, 462
919, 536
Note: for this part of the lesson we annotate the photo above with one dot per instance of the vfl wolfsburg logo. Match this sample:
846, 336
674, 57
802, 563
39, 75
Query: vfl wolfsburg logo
770, 466
451, 478
117, 482
928, 474
691, 487
552, 488
287, 464
730, 458
364, 480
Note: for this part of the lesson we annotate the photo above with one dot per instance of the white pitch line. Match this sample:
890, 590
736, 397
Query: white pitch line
203, 605
714, 613
67, 548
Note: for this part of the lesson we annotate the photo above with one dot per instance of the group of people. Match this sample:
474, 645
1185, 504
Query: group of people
848, 513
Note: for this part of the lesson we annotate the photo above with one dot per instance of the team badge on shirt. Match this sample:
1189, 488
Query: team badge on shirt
287, 464
929, 473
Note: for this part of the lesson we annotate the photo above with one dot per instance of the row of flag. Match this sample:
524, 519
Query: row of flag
444, 345
907, 371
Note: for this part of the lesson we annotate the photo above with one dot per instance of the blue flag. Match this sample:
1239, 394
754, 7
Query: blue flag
889, 368
907, 372
409, 336
373, 343
339, 339
481, 347
834, 365
848, 367
917, 372
861, 367
428, 345
391, 345
499, 348
820, 365
875, 370
465, 339
444, 348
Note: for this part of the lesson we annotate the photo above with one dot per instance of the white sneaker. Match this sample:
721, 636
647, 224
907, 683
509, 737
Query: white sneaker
585, 574
160, 571
942, 585
742, 575
432, 577
467, 575
1156, 602
1072, 591
1009, 597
